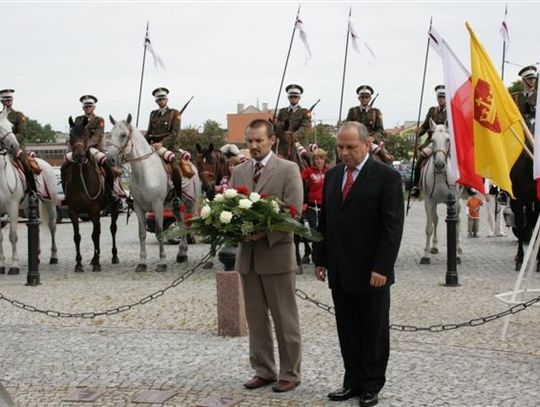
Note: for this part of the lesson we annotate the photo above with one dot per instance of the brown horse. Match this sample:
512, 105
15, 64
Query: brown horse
212, 167
85, 193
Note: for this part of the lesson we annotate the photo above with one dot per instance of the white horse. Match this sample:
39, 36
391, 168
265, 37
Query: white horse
437, 182
12, 194
148, 183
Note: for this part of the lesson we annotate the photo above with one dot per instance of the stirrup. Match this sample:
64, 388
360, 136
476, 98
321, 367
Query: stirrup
176, 201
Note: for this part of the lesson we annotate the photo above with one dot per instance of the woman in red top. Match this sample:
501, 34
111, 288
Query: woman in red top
313, 178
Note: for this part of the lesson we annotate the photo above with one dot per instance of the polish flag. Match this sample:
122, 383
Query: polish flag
459, 108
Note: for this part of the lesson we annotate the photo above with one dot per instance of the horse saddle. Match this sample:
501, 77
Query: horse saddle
183, 165
32, 162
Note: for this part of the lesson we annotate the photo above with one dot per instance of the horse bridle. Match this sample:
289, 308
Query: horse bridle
124, 155
210, 173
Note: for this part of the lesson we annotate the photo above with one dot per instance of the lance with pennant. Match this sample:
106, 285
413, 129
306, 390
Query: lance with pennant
142, 77
419, 115
344, 67
286, 63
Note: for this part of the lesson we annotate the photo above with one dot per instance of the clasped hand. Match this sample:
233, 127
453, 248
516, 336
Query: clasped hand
377, 280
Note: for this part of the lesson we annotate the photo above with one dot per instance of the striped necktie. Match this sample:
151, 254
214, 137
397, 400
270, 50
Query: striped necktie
348, 184
257, 172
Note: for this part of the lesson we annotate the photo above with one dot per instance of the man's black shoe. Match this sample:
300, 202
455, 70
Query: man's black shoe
368, 399
342, 394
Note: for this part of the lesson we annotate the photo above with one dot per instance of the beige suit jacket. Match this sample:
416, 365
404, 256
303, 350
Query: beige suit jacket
273, 254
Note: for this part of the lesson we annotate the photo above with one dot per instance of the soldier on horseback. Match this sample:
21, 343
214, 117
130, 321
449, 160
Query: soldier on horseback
438, 115
370, 117
18, 120
294, 117
96, 144
163, 133
526, 103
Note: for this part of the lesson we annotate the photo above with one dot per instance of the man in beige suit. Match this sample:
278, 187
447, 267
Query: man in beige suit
267, 264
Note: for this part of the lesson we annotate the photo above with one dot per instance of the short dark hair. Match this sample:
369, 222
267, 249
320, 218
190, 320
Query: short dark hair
257, 123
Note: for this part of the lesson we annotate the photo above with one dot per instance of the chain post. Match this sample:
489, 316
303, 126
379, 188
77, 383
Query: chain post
451, 241
32, 277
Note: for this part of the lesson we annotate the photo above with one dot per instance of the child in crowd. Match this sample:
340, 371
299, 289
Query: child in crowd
226, 180
473, 213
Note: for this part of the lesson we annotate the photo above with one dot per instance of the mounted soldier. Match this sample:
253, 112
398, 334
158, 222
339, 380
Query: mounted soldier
526, 99
163, 134
370, 117
438, 115
96, 144
526, 103
18, 120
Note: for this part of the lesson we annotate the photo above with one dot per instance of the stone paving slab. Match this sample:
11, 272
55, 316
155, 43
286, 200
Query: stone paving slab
172, 344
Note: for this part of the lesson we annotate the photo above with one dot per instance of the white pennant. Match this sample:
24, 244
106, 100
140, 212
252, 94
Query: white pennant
158, 63
303, 36
356, 38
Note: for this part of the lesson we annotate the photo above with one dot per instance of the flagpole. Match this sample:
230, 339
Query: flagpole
504, 45
419, 114
286, 63
344, 66
142, 77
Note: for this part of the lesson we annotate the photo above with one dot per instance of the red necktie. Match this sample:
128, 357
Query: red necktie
348, 184
257, 172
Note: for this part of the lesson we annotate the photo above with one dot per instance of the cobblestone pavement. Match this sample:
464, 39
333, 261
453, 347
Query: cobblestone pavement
171, 343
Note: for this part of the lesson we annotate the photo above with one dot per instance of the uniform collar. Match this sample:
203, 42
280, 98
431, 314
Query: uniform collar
163, 110
294, 108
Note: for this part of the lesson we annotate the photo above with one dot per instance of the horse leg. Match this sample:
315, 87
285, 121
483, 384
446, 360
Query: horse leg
425, 259
114, 228
96, 232
2, 256
77, 239
517, 209
435, 240
49, 211
13, 219
162, 266
142, 237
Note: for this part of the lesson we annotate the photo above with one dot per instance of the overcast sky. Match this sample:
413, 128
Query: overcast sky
229, 53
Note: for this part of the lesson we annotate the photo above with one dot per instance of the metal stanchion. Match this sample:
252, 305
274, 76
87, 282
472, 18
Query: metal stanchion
32, 278
451, 241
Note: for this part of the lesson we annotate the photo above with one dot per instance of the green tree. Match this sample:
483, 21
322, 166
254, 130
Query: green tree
211, 133
36, 133
516, 86
323, 136
401, 146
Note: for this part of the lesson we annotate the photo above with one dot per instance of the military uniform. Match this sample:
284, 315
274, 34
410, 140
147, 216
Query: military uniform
438, 115
371, 118
297, 119
526, 99
18, 120
96, 127
164, 128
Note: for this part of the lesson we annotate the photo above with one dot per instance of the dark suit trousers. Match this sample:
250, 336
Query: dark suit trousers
362, 321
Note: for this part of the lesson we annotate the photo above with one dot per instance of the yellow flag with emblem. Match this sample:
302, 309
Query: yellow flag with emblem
496, 120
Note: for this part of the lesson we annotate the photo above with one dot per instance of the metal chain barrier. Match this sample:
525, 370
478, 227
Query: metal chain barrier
112, 311
433, 328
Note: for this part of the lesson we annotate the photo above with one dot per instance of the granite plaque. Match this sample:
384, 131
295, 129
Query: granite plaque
153, 396
220, 401
84, 395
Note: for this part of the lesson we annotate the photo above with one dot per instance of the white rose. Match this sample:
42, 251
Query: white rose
245, 203
254, 197
225, 217
219, 197
230, 193
275, 206
205, 212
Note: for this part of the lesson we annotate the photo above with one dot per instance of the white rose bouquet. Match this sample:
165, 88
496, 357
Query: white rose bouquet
237, 214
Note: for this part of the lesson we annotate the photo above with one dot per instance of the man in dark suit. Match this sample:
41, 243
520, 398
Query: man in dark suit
362, 223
